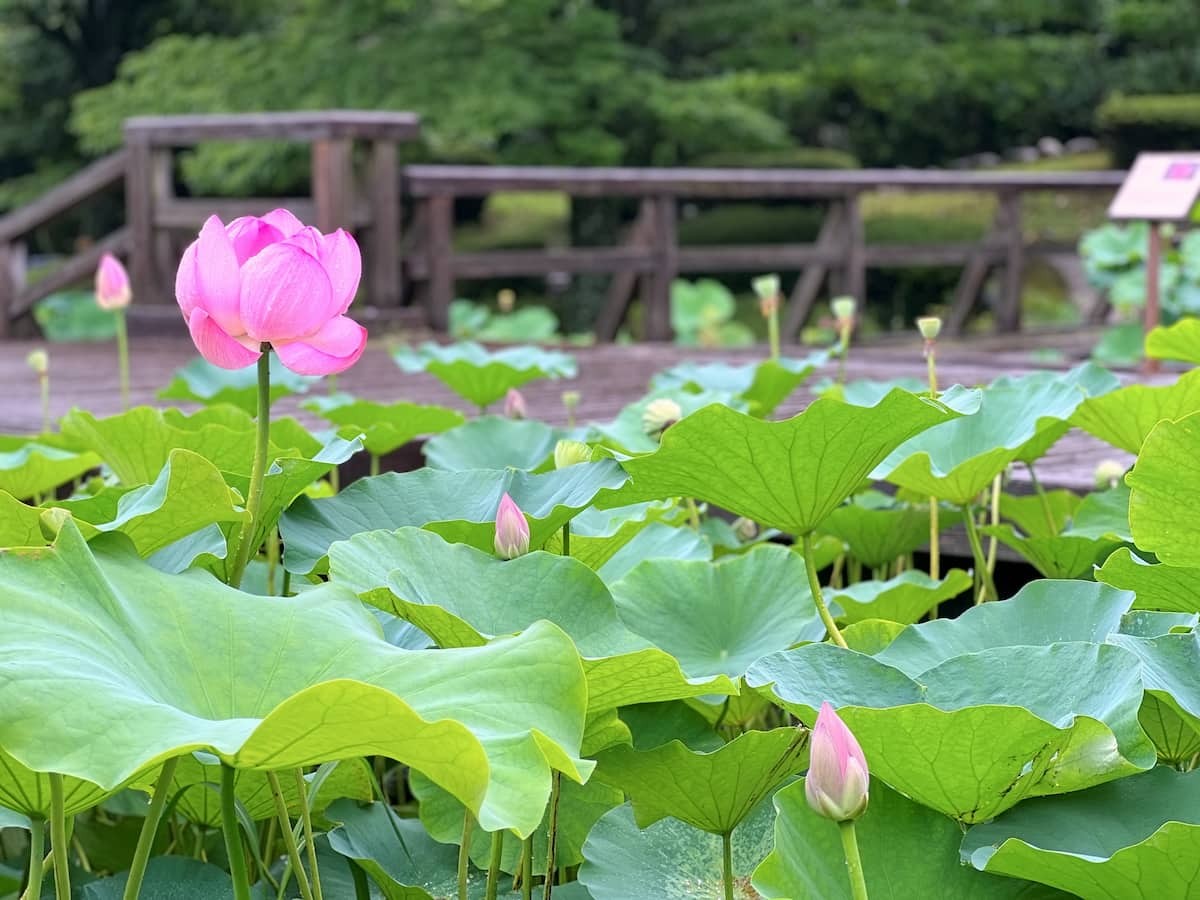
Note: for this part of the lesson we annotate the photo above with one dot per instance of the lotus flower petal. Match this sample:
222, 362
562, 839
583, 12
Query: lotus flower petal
250, 235
335, 348
208, 278
216, 345
285, 295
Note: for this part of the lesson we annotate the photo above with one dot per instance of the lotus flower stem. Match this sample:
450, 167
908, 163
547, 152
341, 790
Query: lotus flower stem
44, 381
309, 846
566, 539
254, 498
58, 838
1040, 491
935, 548
527, 869
814, 584
37, 859
289, 838
122, 355
464, 854
493, 875
858, 884
727, 863
981, 569
233, 835
552, 833
141, 856
994, 520
773, 332
374, 464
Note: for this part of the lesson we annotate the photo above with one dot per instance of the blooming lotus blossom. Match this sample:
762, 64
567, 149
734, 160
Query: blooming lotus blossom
272, 280
112, 284
514, 404
512, 531
838, 781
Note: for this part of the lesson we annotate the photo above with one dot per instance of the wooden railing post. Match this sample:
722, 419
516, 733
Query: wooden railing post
9, 285
856, 250
383, 197
332, 183
1008, 316
665, 247
804, 294
139, 212
162, 190
439, 245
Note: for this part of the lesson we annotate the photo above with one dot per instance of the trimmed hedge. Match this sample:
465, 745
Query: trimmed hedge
1130, 124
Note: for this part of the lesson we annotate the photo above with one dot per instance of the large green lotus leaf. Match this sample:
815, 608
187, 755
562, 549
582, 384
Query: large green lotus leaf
20, 524
121, 666
460, 506
1155, 586
202, 382
975, 735
904, 599
762, 385
787, 475
877, 528
493, 442
1042, 515
1165, 484
670, 860
654, 724
1133, 839
1126, 416
656, 541
713, 791
1169, 666
627, 434
461, 597
867, 391
27, 792
908, 851
957, 459
1062, 556
1090, 378
598, 534
718, 618
30, 466
384, 426
480, 376
171, 878
1180, 341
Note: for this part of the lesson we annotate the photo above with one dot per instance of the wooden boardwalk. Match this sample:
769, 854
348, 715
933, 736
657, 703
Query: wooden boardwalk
609, 378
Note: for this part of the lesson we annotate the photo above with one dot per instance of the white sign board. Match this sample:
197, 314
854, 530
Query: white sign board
1161, 187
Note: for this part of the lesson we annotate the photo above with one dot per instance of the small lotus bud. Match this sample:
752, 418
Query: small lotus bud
39, 361
843, 309
570, 399
930, 327
514, 404
745, 529
506, 300
512, 531
568, 453
767, 289
838, 782
1109, 473
660, 415
112, 284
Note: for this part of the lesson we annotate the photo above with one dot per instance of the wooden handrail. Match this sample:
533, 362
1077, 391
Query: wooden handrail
95, 177
306, 126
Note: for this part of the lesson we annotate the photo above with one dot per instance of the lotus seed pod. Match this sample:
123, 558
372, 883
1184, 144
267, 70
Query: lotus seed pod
930, 327
570, 399
843, 308
766, 286
512, 531
745, 529
39, 361
506, 300
569, 453
838, 782
1109, 473
660, 415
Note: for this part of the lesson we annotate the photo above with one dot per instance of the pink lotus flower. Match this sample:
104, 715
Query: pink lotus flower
514, 404
272, 280
112, 284
512, 531
837, 782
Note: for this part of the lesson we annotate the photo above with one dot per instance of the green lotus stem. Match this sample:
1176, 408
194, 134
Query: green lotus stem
286, 590
37, 858
935, 544
566, 539
272, 560
1042, 495
464, 854
981, 569
374, 464
141, 856
58, 837
362, 889
994, 520
44, 382
289, 839
858, 883
527, 869
493, 875
233, 835
309, 846
261, 447
332, 383
727, 863
931, 367
693, 513
843, 352
814, 584
122, 355
773, 332
552, 833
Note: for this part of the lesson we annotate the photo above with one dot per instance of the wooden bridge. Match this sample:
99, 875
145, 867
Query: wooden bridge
404, 217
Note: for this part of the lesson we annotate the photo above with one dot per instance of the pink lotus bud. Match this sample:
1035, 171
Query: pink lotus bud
271, 280
512, 531
838, 781
514, 404
112, 284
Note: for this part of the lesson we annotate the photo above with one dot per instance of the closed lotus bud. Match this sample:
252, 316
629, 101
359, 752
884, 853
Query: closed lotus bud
39, 361
838, 781
660, 415
506, 300
745, 529
569, 453
843, 309
512, 531
930, 327
112, 284
514, 404
767, 289
1109, 473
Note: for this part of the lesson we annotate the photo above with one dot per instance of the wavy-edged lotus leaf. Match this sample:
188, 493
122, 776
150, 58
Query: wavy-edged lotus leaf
384, 426
461, 597
27, 792
1180, 341
1127, 415
787, 475
20, 524
956, 460
656, 541
1147, 624
877, 528
598, 534
978, 733
1169, 666
482, 376
718, 618
1174, 735
1091, 379
1165, 481
1044, 514
654, 724
867, 391
904, 599
670, 860
171, 878
627, 433
762, 385
1133, 839
710, 790
1062, 556
201, 382
1154, 585
493, 442
30, 467
121, 666
907, 850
